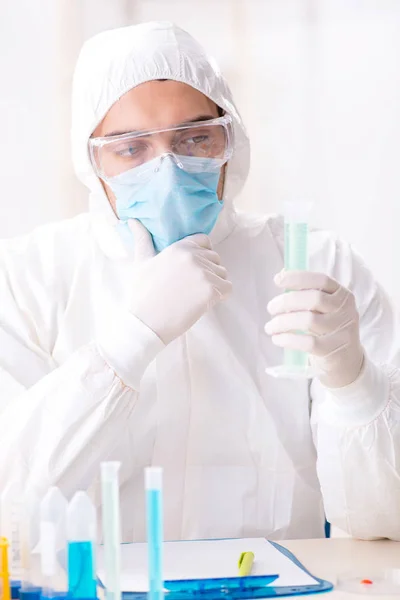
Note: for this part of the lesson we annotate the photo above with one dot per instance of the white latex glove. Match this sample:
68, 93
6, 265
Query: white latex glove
172, 290
320, 317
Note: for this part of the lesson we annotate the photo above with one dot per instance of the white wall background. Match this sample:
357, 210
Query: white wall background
318, 83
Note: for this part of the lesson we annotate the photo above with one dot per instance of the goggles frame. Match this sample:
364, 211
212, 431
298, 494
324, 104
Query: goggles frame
96, 143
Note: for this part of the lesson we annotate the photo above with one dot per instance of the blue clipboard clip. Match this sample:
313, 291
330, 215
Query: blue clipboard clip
223, 587
215, 589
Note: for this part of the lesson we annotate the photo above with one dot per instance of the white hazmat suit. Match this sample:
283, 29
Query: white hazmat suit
243, 454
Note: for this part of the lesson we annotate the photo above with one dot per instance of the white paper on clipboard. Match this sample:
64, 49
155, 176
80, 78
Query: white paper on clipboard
206, 559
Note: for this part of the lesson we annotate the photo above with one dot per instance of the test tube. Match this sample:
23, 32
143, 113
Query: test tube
30, 589
296, 258
17, 522
154, 510
53, 510
5, 593
10, 511
111, 528
81, 540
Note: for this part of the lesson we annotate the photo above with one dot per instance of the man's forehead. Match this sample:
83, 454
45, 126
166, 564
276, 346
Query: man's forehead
196, 120
156, 105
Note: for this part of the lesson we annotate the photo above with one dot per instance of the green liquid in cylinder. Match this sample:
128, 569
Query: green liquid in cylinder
296, 259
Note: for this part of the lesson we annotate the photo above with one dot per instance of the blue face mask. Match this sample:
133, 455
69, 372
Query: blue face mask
170, 202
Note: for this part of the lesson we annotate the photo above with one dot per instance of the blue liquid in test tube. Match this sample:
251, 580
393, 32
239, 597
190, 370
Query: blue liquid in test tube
154, 510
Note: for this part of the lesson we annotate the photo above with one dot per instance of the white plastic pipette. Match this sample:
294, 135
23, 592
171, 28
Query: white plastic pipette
111, 528
53, 510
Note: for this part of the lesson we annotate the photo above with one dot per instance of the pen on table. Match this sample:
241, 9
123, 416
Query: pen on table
245, 563
4, 572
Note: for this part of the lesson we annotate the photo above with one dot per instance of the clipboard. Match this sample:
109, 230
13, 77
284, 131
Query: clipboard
237, 588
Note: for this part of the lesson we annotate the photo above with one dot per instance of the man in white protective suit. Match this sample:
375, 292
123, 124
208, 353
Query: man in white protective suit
137, 332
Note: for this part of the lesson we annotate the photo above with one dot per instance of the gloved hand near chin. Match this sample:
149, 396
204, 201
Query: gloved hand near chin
168, 293
318, 316
173, 289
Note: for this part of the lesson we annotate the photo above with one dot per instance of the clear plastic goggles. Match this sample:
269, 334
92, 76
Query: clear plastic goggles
115, 155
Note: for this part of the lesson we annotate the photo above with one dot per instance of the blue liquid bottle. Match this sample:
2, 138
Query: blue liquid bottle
81, 543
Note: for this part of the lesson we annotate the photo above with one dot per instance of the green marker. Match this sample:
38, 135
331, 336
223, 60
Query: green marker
245, 564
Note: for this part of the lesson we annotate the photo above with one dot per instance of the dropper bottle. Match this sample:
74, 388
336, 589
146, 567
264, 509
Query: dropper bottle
81, 543
53, 512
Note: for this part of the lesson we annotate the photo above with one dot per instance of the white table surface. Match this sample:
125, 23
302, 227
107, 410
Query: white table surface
328, 558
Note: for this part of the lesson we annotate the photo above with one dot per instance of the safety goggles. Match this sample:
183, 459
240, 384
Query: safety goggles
115, 155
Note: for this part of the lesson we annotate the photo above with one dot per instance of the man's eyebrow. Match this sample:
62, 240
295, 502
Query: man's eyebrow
196, 119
